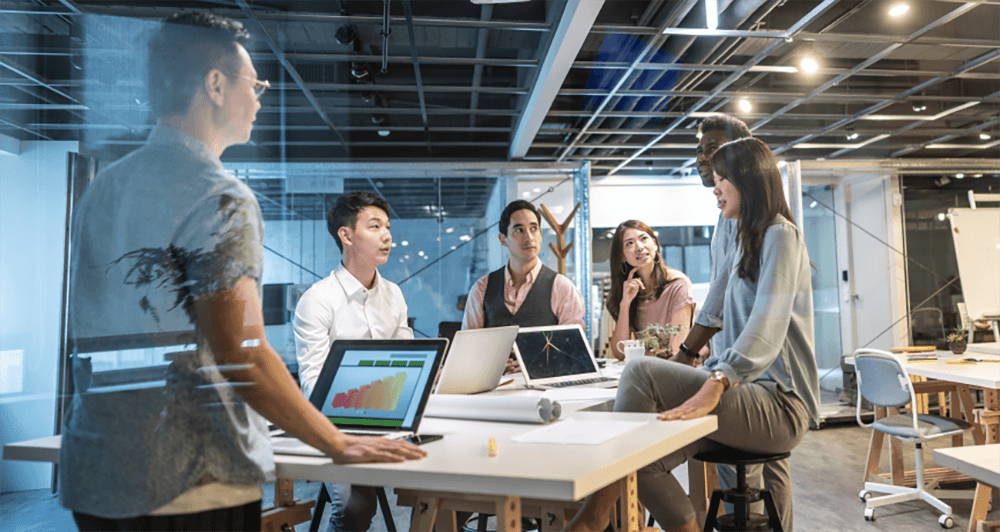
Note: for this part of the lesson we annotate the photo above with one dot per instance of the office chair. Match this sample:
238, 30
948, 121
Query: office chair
884, 382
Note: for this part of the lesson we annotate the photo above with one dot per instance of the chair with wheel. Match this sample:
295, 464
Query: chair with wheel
884, 382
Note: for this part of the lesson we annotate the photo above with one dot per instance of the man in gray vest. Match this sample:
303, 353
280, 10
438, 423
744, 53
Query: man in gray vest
524, 292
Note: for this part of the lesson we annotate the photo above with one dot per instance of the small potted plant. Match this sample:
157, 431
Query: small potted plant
657, 338
957, 341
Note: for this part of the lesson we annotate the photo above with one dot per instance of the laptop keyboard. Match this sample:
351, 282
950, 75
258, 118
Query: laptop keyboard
581, 381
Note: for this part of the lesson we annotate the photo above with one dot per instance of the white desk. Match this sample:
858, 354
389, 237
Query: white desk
981, 462
459, 465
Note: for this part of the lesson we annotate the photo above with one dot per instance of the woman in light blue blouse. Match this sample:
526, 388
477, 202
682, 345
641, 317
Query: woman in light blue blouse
763, 386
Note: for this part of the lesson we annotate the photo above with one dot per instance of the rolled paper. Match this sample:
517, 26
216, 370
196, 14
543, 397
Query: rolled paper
484, 408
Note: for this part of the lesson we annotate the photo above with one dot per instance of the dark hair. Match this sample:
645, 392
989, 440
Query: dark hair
186, 48
512, 207
344, 213
751, 167
734, 127
620, 270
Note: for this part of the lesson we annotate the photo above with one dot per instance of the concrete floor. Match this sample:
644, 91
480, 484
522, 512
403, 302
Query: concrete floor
826, 470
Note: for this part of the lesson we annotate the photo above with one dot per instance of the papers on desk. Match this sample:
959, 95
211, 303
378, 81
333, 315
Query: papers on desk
578, 432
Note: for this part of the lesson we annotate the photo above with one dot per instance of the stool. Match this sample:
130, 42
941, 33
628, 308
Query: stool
742, 496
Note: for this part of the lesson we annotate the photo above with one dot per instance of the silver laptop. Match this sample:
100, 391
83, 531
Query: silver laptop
558, 356
476, 360
373, 388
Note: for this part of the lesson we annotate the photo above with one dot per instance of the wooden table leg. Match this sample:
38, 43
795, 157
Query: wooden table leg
965, 394
896, 468
630, 504
425, 513
989, 419
509, 514
874, 449
553, 519
287, 510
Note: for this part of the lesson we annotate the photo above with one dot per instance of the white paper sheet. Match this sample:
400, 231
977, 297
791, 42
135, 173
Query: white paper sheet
577, 432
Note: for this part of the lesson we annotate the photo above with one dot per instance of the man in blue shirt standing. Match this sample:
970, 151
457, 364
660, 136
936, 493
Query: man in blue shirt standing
166, 270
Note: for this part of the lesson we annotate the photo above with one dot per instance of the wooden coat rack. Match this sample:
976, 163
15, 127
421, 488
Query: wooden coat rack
560, 248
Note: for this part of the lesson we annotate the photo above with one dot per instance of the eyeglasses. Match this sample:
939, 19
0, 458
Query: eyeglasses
259, 86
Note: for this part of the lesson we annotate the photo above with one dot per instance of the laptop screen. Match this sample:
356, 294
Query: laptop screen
378, 384
555, 351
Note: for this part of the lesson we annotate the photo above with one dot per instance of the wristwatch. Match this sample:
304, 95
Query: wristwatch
720, 377
687, 352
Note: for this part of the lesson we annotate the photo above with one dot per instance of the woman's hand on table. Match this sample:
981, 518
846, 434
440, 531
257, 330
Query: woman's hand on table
371, 449
699, 405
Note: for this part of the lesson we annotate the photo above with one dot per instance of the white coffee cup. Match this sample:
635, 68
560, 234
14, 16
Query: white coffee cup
632, 348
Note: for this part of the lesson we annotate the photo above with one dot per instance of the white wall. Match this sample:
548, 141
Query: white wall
32, 241
656, 205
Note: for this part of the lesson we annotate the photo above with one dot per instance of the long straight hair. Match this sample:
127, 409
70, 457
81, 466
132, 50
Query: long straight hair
751, 167
620, 270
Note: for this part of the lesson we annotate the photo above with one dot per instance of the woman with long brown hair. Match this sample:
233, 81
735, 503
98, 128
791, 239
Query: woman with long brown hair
644, 290
763, 385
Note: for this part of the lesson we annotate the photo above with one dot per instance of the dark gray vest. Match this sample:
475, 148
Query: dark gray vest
534, 312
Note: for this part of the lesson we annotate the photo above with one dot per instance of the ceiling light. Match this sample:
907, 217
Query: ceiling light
526, 194
345, 35
712, 14
698, 135
984, 136
781, 164
405, 243
407, 256
383, 132
359, 71
851, 136
898, 10
558, 209
421, 253
809, 65
453, 248
918, 107
393, 244
745, 105
959, 176
465, 238
536, 190
941, 217
812, 205
450, 229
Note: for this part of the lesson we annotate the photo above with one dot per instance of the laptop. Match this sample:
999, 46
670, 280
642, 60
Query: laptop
558, 356
374, 388
476, 360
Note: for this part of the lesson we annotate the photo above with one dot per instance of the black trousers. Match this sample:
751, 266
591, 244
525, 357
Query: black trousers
244, 518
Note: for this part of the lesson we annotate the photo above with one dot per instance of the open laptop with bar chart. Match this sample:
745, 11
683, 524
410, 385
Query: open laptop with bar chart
374, 387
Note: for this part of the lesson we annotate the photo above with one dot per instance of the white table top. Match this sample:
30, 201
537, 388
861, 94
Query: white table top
980, 374
981, 462
459, 462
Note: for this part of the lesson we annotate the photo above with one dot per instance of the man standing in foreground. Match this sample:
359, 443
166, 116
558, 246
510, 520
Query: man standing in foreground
167, 252
524, 292
354, 301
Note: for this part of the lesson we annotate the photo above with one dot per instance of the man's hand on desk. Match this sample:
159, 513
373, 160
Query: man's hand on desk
512, 366
368, 449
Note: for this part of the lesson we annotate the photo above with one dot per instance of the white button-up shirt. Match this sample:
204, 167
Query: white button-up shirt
339, 306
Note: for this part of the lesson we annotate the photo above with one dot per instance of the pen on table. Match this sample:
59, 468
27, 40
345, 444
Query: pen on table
505, 383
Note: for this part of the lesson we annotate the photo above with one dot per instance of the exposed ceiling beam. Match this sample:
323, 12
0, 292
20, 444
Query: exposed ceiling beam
650, 46
866, 63
946, 138
881, 105
567, 39
485, 13
408, 10
763, 54
291, 70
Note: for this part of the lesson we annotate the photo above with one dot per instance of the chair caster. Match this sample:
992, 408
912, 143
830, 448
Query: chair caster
869, 514
865, 495
946, 521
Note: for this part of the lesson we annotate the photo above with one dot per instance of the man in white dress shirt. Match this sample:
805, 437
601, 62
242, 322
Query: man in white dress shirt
353, 302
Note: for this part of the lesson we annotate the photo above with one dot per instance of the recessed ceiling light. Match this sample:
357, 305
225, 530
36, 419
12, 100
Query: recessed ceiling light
960, 176
898, 10
405, 243
918, 107
450, 229
984, 136
809, 65
526, 193
941, 217
745, 105
852, 136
